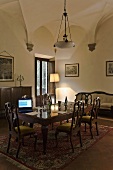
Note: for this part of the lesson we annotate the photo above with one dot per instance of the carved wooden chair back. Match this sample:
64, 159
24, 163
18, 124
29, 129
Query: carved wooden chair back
16, 130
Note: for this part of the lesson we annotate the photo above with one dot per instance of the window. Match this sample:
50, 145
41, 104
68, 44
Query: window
44, 77
41, 77
43, 68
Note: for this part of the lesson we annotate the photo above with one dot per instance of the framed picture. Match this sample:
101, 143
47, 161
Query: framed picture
109, 68
72, 70
6, 68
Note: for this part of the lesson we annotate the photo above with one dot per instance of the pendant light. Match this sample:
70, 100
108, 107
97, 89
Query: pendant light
65, 43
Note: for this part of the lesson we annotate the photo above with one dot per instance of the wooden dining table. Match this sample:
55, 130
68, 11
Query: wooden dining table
45, 118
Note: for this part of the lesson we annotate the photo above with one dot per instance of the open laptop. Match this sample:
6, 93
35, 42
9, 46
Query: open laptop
25, 105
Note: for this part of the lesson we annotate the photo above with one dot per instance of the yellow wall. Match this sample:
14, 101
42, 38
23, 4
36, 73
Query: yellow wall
92, 65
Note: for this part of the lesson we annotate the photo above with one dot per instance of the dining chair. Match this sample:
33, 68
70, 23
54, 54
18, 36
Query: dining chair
16, 130
74, 126
90, 116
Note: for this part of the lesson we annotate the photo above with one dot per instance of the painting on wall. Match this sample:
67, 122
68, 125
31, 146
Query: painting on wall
109, 68
6, 68
72, 70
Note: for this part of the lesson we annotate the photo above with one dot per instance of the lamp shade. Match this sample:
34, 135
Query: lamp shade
64, 44
54, 77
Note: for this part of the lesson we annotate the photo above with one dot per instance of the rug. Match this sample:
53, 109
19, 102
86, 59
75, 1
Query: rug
55, 158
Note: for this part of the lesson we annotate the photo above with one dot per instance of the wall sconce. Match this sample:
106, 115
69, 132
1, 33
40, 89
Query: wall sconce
29, 46
54, 108
92, 46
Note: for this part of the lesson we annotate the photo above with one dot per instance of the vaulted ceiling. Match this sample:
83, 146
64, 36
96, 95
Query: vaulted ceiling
86, 15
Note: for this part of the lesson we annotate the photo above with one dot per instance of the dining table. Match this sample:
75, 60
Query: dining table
45, 118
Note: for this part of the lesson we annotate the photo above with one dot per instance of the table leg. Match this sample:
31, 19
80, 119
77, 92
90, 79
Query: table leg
44, 135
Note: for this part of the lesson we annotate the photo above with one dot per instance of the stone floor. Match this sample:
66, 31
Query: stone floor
98, 157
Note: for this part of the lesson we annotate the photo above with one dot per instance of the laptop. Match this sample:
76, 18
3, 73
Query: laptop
25, 105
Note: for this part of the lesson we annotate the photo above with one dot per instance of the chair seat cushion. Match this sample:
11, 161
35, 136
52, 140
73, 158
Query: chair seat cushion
86, 118
64, 127
25, 130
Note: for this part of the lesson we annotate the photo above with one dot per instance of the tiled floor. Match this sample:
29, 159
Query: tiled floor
98, 157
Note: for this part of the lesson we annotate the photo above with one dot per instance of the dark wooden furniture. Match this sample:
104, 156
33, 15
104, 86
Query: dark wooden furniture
73, 126
106, 101
45, 119
91, 116
17, 131
12, 94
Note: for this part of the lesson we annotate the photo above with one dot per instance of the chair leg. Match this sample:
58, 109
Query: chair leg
9, 143
71, 144
80, 138
67, 121
91, 131
19, 144
97, 128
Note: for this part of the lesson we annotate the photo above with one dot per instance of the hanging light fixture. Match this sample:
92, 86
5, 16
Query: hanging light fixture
65, 43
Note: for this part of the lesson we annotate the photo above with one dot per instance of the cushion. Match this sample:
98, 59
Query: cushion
25, 130
86, 118
106, 105
64, 127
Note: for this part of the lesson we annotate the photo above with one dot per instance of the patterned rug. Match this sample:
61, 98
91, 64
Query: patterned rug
56, 158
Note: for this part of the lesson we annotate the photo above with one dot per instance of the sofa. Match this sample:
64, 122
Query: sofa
106, 101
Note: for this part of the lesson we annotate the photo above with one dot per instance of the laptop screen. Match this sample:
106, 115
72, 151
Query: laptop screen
25, 105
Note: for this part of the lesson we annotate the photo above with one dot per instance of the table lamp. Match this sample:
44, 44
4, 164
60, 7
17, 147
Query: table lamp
54, 78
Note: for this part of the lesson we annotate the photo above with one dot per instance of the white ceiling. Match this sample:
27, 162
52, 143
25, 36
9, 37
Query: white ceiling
88, 15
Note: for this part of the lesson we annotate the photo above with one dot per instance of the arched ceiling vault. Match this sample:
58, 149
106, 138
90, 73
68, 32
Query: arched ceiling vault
88, 15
